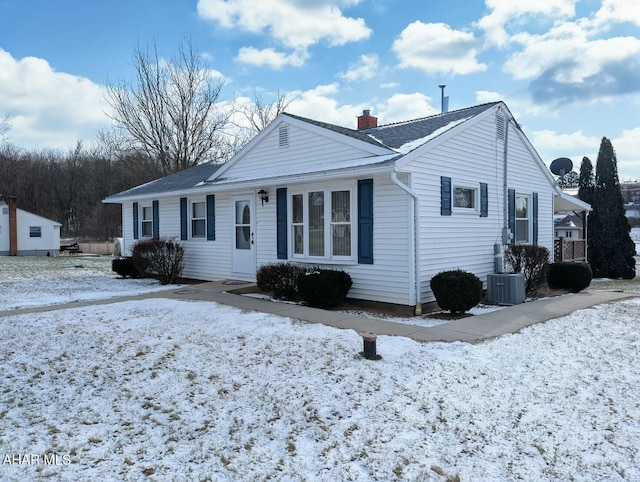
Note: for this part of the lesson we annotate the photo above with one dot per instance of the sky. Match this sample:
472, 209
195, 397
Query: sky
569, 70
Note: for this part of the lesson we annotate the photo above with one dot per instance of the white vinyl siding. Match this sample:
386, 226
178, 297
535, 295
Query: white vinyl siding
466, 242
305, 147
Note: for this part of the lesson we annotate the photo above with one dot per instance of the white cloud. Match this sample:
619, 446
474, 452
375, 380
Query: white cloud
504, 12
364, 69
270, 58
296, 24
618, 11
437, 48
627, 147
48, 108
402, 107
569, 54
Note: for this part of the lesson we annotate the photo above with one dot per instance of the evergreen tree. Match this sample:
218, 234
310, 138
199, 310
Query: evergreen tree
611, 249
586, 181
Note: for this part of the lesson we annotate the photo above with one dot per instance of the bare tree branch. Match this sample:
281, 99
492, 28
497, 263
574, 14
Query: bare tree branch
5, 127
171, 113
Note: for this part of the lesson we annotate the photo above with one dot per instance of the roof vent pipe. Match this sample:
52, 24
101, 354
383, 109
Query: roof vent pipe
444, 101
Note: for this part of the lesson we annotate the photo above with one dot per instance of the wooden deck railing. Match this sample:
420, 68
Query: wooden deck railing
569, 249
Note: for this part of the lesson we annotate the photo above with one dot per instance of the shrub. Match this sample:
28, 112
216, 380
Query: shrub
531, 260
457, 291
573, 277
324, 288
281, 279
124, 267
164, 257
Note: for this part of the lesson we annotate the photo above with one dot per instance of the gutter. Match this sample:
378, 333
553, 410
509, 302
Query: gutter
416, 238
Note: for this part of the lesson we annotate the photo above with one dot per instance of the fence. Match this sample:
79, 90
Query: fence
104, 248
569, 249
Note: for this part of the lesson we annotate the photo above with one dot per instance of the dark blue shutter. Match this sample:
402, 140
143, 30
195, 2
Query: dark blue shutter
184, 218
136, 227
512, 214
156, 219
211, 217
484, 200
534, 218
365, 221
445, 196
281, 223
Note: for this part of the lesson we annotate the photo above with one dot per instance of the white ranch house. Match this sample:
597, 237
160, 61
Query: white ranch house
392, 205
26, 234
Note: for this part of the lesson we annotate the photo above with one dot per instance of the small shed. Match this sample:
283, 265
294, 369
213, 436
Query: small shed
26, 234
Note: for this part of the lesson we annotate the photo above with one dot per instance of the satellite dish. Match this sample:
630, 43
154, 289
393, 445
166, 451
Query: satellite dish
561, 166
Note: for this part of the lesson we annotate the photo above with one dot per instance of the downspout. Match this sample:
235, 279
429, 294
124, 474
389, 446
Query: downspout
505, 190
416, 238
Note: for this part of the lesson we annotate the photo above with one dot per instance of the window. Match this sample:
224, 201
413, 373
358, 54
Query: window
297, 223
321, 224
464, 197
35, 231
522, 219
341, 223
147, 221
198, 219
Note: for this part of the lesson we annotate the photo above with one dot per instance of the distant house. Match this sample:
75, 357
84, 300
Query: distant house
393, 205
567, 226
26, 234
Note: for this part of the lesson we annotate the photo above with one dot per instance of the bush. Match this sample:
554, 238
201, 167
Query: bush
281, 279
573, 277
164, 257
124, 267
531, 260
324, 288
457, 291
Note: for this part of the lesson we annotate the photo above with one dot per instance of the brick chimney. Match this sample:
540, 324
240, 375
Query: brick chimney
13, 227
366, 120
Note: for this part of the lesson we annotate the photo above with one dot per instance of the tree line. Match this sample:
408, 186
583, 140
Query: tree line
171, 118
68, 187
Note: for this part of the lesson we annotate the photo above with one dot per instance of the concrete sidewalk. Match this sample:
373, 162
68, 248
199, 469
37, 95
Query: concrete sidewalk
472, 329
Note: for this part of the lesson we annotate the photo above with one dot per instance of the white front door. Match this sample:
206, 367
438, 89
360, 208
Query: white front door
244, 260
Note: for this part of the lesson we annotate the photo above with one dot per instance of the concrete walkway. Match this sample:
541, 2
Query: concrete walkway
472, 329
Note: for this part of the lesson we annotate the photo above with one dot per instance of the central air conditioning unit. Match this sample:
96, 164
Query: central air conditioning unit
506, 288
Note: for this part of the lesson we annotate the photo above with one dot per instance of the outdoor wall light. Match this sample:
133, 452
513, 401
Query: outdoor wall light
263, 195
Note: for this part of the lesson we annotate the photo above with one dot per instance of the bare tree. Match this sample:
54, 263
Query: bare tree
5, 127
171, 114
259, 113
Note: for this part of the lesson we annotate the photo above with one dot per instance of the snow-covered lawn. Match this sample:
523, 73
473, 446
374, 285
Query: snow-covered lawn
29, 281
178, 390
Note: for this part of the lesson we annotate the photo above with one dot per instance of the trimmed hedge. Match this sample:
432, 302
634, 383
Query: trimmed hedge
456, 291
281, 279
324, 288
573, 277
124, 267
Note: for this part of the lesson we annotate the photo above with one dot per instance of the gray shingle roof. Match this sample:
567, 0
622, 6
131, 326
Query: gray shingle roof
401, 133
345, 131
387, 136
173, 182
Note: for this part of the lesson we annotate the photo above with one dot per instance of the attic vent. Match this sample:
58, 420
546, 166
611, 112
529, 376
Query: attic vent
283, 136
500, 127
5, 210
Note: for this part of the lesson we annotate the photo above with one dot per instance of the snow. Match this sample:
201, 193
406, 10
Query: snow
185, 390
27, 282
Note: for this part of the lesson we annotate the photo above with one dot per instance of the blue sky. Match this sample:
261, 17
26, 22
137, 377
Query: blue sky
569, 70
